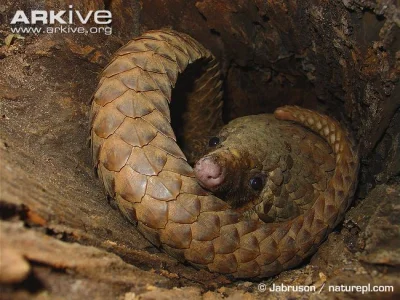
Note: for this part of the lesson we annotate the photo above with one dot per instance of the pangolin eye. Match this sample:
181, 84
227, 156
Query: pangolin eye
214, 141
256, 183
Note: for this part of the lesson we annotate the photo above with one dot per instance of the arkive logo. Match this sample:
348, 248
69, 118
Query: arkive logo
71, 16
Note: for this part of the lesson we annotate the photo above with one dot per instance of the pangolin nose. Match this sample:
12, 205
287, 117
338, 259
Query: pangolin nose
209, 173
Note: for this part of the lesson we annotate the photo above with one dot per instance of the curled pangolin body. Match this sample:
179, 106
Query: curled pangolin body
143, 169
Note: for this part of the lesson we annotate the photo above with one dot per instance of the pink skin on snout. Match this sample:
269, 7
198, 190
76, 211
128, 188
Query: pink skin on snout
209, 174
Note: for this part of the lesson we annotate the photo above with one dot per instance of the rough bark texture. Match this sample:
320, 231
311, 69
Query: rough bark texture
339, 57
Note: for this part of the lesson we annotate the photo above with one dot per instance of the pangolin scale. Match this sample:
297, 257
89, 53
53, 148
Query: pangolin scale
137, 158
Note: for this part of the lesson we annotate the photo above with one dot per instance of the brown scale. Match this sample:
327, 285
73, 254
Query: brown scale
141, 166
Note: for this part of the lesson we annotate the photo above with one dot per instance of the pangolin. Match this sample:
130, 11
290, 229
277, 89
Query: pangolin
283, 191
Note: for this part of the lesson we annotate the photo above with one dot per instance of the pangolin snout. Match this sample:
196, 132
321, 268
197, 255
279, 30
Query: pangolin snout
209, 173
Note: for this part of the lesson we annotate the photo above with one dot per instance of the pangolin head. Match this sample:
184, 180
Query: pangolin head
234, 167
